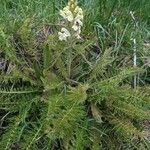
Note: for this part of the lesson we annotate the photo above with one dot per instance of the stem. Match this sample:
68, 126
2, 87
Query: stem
134, 49
69, 63
70, 56
134, 62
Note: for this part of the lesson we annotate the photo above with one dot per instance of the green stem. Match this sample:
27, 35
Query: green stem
69, 62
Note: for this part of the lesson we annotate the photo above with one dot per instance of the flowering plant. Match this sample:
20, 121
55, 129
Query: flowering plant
72, 14
70, 95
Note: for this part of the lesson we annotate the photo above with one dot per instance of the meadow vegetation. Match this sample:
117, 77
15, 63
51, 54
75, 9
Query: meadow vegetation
73, 90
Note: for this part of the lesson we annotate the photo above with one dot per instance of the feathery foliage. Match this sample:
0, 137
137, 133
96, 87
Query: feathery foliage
72, 94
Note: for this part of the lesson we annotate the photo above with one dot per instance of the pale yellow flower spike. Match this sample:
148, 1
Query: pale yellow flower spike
73, 14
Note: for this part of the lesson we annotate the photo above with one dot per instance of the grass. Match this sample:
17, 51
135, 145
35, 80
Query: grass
47, 104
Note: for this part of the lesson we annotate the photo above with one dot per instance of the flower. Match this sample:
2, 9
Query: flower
75, 27
64, 34
73, 16
67, 14
79, 20
77, 34
77, 24
79, 12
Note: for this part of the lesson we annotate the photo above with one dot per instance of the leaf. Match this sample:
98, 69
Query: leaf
50, 80
102, 63
78, 94
46, 57
97, 114
37, 69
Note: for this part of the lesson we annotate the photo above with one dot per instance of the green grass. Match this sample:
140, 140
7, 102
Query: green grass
74, 96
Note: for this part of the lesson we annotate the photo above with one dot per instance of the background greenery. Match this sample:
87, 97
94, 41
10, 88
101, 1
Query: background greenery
42, 106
